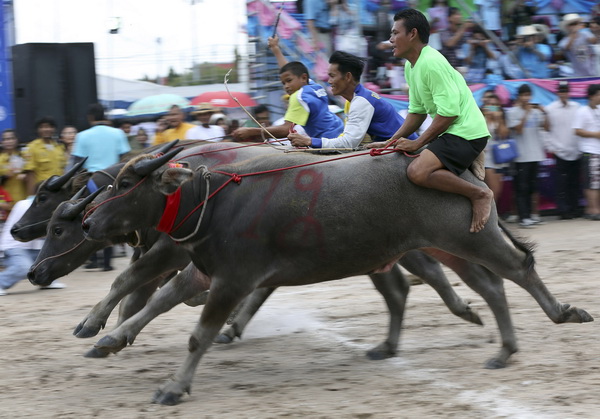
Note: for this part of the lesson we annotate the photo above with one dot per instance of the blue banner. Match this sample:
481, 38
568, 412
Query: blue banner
6, 109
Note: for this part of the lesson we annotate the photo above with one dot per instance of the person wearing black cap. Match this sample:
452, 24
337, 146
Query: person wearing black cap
564, 144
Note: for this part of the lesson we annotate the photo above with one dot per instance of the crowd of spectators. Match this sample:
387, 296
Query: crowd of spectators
486, 48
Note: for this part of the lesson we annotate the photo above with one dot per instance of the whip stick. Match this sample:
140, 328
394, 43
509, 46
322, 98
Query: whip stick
277, 20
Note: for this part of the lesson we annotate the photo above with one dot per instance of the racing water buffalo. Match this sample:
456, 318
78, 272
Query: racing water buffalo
299, 219
65, 249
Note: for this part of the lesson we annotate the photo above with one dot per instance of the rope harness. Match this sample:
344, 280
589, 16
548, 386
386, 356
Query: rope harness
167, 221
34, 267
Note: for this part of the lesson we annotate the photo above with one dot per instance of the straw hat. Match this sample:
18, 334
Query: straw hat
568, 19
526, 30
203, 108
541, 29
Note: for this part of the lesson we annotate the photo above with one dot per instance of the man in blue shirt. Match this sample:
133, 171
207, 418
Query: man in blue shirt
103, 146
367, 112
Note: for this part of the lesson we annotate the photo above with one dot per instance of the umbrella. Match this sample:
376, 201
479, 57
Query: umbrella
222, 99
156, 104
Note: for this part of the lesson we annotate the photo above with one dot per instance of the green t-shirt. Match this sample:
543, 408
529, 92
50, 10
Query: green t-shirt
436, 88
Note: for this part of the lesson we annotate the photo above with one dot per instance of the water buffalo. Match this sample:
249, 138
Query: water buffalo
287, 220
63, 251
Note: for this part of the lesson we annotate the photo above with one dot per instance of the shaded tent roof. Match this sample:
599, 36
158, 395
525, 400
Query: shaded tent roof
116, 93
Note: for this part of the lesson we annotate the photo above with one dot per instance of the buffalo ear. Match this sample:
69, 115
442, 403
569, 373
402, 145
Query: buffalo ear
172, 178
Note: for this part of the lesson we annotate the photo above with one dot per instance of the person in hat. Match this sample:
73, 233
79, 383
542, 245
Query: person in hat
204, 130
533, 55
564, 144
176, 127
576, 46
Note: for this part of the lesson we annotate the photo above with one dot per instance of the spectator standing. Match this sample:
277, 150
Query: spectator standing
141, 139
454, 38
316, 15
520, 14
438, 20
533, 55
587, 127
527, 121
175, 128
11, 166
595, 30
496, 123
564, 144
67, 138
479, 51
489, 11
44, 157
577, 46
205, 131
103, 146
19, 256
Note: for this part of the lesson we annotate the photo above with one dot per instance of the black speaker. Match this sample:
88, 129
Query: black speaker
57, 80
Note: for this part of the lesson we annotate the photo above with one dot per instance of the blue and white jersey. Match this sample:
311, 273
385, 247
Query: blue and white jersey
367, 113
309, 108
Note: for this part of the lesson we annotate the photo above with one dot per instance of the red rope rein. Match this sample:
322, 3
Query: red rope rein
237, 178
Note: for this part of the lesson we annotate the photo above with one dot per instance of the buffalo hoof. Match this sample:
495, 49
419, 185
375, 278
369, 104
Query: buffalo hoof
495, 364
169, 394
96, 353
224, 338
84, 331
382, 351
471, 316
574, 315
110, 345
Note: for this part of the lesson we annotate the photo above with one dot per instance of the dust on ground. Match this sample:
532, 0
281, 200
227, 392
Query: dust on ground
304, 353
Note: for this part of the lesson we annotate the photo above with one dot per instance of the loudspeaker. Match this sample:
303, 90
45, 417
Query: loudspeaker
57, 80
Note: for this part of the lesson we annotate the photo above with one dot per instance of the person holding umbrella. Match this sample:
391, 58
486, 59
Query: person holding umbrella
177, 128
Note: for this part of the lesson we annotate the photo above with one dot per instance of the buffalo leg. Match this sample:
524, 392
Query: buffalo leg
249, 308
158, 258
428, 269
130, 305
222, 299
491, 288
394, 288
187, 284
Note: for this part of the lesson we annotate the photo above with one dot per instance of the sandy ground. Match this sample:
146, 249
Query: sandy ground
304, 353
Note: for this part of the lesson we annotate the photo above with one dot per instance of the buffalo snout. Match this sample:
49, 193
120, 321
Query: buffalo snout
32, 277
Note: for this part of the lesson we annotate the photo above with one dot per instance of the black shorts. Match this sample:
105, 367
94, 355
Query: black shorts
456, 153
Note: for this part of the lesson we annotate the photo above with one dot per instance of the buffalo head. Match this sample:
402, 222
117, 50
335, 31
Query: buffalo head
137, 198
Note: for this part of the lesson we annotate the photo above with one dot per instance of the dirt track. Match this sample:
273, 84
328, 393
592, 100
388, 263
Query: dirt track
303, 355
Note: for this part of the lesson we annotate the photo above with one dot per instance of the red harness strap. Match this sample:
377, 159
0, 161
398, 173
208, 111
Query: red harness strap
171, 209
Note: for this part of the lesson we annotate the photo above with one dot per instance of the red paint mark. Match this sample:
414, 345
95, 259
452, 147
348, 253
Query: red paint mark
221, 156
308, 180
274, 178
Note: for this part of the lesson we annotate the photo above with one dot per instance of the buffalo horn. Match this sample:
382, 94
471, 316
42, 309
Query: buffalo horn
73, 210
145, 167
79, 194
163, 149
57, 182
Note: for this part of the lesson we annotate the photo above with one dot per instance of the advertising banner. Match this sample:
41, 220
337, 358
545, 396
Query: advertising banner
6, 112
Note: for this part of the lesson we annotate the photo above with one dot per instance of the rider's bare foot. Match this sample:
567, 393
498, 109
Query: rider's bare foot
482, 205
